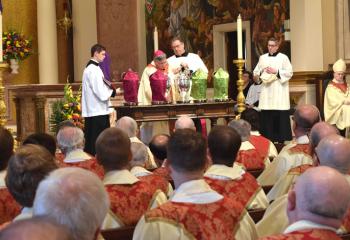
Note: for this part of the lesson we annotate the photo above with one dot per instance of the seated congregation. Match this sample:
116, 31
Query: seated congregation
178, 186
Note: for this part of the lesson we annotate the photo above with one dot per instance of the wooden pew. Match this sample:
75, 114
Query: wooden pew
123, 233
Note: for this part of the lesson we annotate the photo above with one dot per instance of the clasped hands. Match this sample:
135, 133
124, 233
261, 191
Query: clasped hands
182, 65
270, 70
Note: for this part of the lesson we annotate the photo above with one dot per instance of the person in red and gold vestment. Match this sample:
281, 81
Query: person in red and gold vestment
319, 131
316, 205
297, 152
158, 146
26, 169
9, 208
233, 182
332, 151
130, 197
194, 211
337, 98
264, 146
138, 163
129, 126
70, 141
248, 155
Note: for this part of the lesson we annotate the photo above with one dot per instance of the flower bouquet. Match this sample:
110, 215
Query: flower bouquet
16, 46
67, 108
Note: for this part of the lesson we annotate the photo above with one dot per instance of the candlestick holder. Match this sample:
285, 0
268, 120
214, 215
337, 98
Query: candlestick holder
3, 118
240, 83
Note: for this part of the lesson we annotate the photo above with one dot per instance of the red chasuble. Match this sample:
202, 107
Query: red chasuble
261, 144
163, 172
242, 190
155, 181
250, 159
346, 221
89, 164
130, 201
9, 208
300, 148
216, 220
310, 234
299, 169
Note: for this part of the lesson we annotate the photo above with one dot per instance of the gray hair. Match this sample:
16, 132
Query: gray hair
70, 138
128, 125
242, 127
184, 122
139, 154
75, 198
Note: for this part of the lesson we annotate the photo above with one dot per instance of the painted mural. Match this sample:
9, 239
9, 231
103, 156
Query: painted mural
193, 21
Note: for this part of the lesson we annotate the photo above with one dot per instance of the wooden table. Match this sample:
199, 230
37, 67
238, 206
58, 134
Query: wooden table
151, 113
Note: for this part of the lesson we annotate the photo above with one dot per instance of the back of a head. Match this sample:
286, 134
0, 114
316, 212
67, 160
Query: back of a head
6, 147
184, 122
66, 123
139, 154
224, 143
158, 146
305, 116
322, 193
319, 131
70, 138
242, 127
252, 117
187, 151
113, 149
36, 228
26, 169
334, 151
128, 125
75, 198
42, 139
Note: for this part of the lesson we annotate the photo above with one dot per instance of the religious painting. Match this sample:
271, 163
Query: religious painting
193, 21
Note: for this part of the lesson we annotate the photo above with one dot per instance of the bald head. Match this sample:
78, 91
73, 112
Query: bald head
319, 131
184, 122
158, 146
334, 151
305, 116
128, 125
320, 195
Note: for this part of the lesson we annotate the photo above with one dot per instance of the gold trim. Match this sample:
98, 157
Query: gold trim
154, 197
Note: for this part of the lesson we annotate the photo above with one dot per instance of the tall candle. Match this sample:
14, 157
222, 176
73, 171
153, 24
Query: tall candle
155, 39
239, 37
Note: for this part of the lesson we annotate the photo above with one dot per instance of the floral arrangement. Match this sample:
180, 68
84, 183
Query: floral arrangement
67, 108
16, 46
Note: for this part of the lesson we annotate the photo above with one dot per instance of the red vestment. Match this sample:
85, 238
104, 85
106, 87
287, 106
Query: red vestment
242, 190
216, 220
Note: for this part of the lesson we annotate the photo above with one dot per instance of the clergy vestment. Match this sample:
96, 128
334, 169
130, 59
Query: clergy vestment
9, 208
250, 157
94, 104
235, 183
154, 180
149, 129
286, 181
163, 172
253, 95
79, 158
263, 145
335, 111
130, 198
306, 230
196, 211
274, 97
292, 155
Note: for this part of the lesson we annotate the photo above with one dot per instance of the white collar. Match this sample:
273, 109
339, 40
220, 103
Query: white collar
305, 224
195, 191
2, 178
303, 140
139, 171
219, 171
119, 177
26, 212
77, 155
246, 145
255, 133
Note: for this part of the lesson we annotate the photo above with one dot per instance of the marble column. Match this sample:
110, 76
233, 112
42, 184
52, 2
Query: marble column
47, 42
